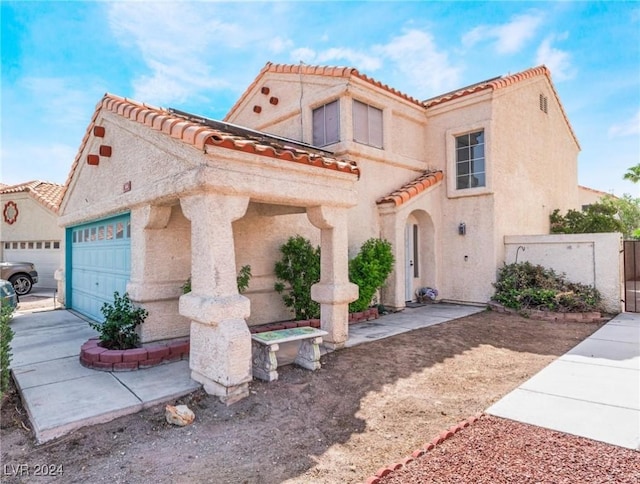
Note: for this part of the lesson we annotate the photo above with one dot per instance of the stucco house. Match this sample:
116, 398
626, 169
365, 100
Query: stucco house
156, 196
30, 230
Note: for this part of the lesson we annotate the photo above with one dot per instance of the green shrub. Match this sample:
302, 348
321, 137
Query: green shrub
527, 286
369, 270
118, 332
6, 336
299, 268
244, 276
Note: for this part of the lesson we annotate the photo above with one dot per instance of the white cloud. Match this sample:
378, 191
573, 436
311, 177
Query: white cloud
509, 38
65, 101
278, 44
338, 56
630, 127
558, 61
418, 60
176, 41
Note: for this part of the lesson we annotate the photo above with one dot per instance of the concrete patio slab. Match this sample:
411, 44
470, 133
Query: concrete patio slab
591, 391
604, 423
54, 371
160, 383
594, 383
57, 408
606, 353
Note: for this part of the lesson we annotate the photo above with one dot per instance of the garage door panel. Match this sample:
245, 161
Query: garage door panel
101, 264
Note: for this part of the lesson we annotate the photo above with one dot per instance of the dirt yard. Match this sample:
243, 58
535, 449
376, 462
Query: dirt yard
368, 406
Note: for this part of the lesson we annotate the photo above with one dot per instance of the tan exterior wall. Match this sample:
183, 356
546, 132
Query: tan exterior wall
259, 236
593, 259
587, 196
34, 221
534, 157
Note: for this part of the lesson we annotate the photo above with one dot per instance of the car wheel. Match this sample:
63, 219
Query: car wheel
22, 284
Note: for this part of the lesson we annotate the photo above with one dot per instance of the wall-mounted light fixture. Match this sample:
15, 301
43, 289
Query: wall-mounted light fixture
462, 228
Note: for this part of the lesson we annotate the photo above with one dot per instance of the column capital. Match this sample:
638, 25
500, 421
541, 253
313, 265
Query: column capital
325, 217
152, 216
199, 205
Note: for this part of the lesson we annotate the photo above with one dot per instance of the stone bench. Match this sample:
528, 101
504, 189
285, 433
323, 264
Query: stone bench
265, 345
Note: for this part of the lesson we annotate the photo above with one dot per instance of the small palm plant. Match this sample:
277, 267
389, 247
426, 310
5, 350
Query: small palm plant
121, 318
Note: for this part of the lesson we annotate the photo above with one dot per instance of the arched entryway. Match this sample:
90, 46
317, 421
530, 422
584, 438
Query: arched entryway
420, 268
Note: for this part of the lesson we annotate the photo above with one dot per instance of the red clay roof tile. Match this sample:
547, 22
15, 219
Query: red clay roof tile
413, 188
47, 194
199, 135
345, 72
329, 71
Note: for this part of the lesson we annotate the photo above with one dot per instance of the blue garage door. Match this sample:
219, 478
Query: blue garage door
100, 264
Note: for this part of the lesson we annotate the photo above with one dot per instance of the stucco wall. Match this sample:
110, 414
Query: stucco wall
34, 221
258, 238
534, 158
587, 196
593, 259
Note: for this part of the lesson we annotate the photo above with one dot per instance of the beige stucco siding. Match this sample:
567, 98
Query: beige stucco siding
34, 222
468, 261
534, 159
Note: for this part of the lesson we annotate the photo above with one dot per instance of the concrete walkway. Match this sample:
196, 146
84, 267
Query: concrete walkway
60, 395
592, 391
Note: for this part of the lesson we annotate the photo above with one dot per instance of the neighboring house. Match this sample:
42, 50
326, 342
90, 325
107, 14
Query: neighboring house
156, 196
30, 230
588, 196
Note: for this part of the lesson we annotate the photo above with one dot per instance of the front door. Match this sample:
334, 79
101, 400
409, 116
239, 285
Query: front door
411, 259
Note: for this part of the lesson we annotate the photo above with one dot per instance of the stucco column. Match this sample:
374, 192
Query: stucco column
152, 282
392, 227
220, 352
334, 292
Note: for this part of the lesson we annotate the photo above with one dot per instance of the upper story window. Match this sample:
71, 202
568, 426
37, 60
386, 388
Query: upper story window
367, 124
326, 124
470, 162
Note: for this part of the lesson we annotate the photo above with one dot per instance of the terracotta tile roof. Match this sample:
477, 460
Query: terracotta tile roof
194, 131
413, 188
47, 194
499, 83
329, 71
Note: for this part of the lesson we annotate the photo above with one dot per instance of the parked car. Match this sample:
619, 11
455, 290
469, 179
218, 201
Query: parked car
8, 294
22, 275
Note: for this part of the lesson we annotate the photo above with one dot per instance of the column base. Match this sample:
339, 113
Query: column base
227, 395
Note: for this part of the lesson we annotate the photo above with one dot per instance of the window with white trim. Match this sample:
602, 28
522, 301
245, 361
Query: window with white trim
367, 124
470, 161
326, 124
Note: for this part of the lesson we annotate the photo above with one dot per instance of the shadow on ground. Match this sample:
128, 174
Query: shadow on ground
367, 406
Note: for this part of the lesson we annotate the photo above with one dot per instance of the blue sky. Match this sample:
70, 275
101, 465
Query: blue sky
59, 58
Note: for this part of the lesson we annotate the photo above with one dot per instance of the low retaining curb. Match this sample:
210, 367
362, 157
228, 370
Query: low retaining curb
369, 314
587, 317
446, 434
98, 358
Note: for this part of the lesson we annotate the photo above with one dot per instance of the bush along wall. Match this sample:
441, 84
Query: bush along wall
299, 269
524, 286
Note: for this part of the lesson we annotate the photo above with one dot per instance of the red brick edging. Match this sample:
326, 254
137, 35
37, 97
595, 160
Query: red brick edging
98, 358
444, 435
587, 317
369, 314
